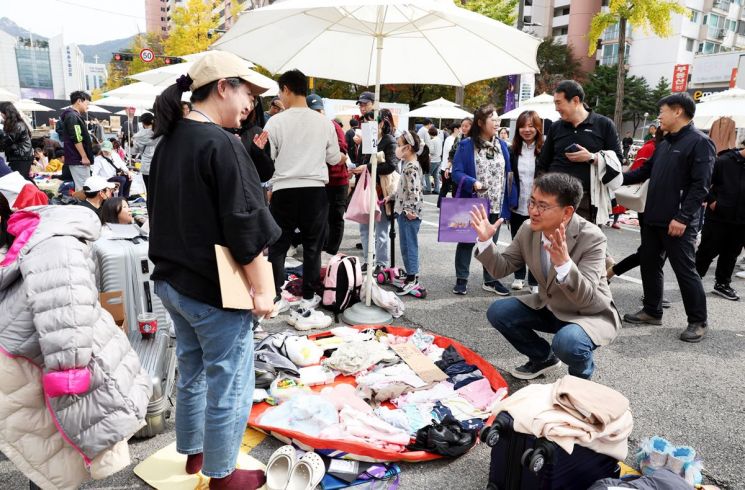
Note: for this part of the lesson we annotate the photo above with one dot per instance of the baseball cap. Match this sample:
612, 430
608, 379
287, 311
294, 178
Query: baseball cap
96, 184
366, 97
107, 146
314, 102
221, 64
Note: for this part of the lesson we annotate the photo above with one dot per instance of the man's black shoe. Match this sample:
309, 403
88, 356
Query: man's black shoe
665, 302
641, 317
694, 333
726, 292
533, 369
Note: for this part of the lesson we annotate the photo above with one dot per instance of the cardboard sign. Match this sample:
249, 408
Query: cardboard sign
234, 286
369, 138
113, 302
419, 363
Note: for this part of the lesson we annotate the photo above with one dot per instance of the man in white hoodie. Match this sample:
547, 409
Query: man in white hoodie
303, 141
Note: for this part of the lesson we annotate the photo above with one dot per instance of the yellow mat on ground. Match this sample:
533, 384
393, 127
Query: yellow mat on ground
164, 470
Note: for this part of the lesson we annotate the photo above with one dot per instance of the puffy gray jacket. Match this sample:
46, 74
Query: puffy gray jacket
145, 145
51, 316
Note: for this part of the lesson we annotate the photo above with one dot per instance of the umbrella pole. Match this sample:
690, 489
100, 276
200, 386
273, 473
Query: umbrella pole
369, 314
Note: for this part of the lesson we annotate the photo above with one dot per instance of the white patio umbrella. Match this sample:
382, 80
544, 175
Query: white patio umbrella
28, 105
380, 41
138, 112
138, 103
440, 112
441, 102
166, 75
94, 108
542, 104
730, 103
135, 90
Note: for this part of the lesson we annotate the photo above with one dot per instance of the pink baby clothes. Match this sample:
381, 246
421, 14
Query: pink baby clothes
345, 395
480, 394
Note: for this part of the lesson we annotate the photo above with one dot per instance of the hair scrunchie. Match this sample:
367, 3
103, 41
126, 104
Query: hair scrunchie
184, 82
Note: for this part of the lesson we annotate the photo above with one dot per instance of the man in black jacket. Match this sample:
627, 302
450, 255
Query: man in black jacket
724, 228
588, 131
679, 174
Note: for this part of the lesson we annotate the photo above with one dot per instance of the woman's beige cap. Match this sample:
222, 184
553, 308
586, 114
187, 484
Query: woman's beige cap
216, 65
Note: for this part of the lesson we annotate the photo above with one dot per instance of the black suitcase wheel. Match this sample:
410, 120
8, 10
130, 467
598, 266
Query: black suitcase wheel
525, 459
537, 461
489, 435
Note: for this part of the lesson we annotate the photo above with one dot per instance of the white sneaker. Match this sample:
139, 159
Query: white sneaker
741, 275
309, 304
518, 284
533, 289
303, 319
280, 306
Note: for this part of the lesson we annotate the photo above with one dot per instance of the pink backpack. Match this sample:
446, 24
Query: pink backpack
341, 288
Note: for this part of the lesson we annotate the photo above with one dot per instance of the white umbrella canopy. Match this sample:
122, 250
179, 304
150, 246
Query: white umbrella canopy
440, 112
94, 108
441, 102
730, 103
138, 112
28, 105
542, 104
137, 90
138, 103
424, 41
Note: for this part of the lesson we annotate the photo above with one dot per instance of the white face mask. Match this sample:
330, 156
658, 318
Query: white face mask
399, 153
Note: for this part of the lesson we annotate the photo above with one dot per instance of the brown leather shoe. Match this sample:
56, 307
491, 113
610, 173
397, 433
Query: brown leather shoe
694, 333
641, 317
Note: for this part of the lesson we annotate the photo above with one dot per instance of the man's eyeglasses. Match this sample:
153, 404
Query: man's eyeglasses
540, 207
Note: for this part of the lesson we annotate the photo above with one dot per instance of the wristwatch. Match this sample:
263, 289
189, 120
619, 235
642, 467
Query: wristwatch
592, 159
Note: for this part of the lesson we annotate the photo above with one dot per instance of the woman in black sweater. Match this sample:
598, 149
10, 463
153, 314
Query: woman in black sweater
15, 140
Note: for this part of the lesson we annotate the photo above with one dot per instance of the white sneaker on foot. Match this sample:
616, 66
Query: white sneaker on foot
518, 284
309, 319
309, 304
280, 306
741, 275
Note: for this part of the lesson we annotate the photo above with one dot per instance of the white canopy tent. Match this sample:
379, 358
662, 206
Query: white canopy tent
542, 104
730, 103
8, 96
440, 109
379, 41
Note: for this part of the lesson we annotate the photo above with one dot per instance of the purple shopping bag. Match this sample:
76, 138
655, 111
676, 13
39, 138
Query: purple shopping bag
455, 217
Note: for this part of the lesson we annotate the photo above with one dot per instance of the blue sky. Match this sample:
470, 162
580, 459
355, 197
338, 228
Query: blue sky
81, 21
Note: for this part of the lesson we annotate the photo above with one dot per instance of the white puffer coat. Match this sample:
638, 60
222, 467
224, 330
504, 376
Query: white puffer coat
51, 323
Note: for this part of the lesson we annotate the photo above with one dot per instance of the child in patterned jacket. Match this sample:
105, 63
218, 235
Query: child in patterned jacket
408, 207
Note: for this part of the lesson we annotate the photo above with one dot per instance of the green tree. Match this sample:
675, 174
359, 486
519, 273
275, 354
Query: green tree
556, 63
600, 95
504, 11
191, 23
662, 89
120, 70
648, 15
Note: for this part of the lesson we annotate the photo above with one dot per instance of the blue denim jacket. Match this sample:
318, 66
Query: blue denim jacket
464, 169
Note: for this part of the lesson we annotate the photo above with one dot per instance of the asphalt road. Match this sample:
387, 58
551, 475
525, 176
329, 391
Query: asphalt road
691, 394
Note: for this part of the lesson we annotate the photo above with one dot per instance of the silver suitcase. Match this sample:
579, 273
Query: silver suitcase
123, 265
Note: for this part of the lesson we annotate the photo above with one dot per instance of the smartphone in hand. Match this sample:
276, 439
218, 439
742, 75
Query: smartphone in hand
573, 148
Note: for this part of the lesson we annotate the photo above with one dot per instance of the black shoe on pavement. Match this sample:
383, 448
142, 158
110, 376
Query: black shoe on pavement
533, 369
726, 292
461, 287
694, 333
358, 246
496, 287
665, 302
642, 317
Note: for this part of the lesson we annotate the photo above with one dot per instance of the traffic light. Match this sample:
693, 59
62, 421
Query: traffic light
172, 60
123, 56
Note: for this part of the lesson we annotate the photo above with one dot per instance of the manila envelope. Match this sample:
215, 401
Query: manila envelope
234, 286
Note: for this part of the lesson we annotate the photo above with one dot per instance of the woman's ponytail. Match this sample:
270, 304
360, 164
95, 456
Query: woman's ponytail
168, 106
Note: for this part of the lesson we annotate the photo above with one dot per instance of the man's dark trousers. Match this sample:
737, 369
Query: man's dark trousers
307, 210
722, 239
337, 199
682, 255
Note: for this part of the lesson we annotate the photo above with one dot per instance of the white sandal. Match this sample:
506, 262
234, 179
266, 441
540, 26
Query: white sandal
279, 467
307, 473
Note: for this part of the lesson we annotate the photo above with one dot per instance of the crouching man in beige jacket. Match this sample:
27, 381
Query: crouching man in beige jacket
566, 254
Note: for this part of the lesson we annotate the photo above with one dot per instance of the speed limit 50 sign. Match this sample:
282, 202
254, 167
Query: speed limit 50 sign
147, 55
